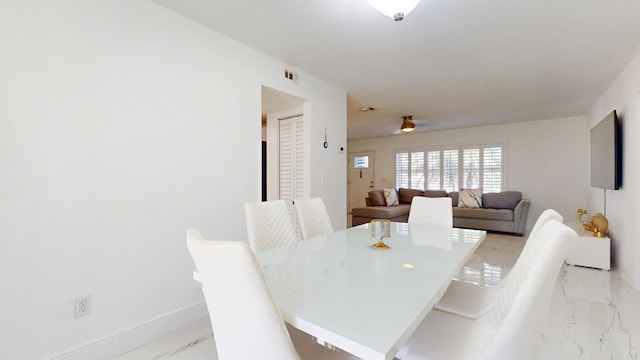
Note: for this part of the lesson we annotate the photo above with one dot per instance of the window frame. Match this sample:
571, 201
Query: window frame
426, 172
409, 178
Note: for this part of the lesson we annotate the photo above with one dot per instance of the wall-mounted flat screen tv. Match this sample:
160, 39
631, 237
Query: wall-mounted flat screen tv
606, 153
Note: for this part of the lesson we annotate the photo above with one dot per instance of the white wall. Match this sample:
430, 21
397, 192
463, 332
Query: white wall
122, 124
546, 160
623, 206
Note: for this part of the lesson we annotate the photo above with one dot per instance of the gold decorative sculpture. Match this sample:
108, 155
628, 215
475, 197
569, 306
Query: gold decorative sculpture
598, 225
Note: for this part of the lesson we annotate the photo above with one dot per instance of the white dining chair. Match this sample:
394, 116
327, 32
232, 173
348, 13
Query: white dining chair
511, 328
431, 211
471, 300
269, 225
313, 218
245, 320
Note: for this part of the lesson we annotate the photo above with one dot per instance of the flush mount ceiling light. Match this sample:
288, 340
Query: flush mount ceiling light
367, 108
395, 9
407, 124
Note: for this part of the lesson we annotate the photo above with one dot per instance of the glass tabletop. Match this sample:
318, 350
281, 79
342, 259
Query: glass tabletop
364, 300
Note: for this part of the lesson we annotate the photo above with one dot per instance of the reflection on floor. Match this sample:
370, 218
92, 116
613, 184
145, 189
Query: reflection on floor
594, 314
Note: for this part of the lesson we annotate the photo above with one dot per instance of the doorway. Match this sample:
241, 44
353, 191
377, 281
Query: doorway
361, 177
278, 103
284, 154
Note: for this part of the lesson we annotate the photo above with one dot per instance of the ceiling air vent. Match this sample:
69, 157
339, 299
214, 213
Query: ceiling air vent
290, 75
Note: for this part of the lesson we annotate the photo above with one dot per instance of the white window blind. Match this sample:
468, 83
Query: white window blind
492, 169
410, 170
417, 171
452, 168
433, 170
402, 170
471, 168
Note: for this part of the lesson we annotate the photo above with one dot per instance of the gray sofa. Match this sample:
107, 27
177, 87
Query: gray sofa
501, 212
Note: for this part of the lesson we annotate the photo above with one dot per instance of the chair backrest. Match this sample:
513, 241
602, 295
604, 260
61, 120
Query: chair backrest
245, 320
313, 218
269, 225
520, 310
431, 211
546, 215
527, 255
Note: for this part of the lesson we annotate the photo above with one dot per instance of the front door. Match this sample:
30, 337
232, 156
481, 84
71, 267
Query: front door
360, 178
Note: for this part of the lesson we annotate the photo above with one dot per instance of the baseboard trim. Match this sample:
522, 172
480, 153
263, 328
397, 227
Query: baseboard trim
129, 338
633, 281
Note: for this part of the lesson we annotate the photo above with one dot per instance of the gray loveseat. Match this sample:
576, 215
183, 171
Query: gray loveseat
502, 212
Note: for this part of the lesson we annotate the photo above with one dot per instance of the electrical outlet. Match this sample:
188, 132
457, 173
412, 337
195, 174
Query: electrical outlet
83, 306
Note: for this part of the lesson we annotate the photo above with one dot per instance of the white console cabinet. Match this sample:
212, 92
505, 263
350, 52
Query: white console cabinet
590, 251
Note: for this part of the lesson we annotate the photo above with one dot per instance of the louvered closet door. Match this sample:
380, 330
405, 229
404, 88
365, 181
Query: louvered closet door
292, 162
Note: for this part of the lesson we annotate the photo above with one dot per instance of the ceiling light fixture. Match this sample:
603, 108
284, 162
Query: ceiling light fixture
395, 9
407, 124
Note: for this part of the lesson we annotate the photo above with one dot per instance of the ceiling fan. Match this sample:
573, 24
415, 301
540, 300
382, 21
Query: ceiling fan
408, 125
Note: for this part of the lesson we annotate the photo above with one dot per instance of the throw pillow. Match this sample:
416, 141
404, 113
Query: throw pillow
377, 198
390, 196
470, 198
406, 195
501, 200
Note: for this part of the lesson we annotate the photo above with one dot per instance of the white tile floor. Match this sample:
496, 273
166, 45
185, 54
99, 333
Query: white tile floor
594, 314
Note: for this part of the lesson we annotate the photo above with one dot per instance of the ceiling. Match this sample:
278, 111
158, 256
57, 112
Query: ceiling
449, 63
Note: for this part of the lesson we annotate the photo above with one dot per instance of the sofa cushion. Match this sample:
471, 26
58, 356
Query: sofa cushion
406, 195
501, 200
391, 196
435, 193
377, 198
381, 212
454, 198
487, 214
470, 198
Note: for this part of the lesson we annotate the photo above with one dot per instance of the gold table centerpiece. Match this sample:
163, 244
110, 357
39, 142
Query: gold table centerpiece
380, 229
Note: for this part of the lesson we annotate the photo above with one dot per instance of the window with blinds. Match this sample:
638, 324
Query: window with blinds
433, 170
471, 168
492, 169
410, 170
416, 176
402, 170
451, 168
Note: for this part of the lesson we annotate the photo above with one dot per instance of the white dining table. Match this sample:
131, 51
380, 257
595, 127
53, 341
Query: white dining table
366, 301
